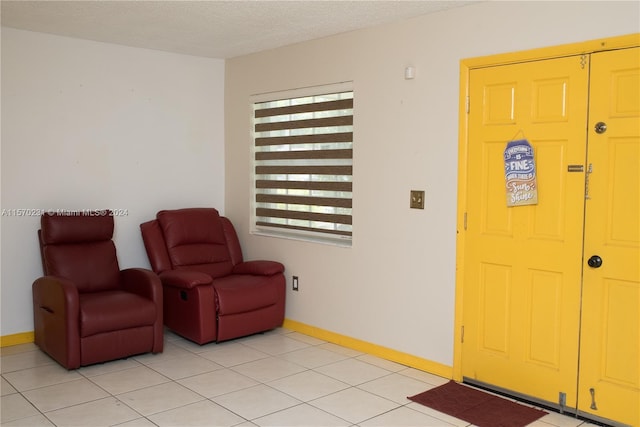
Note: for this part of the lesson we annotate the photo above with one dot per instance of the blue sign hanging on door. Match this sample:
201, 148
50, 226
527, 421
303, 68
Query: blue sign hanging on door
520, 174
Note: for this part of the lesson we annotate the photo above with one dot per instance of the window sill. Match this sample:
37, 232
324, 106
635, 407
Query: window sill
343, 243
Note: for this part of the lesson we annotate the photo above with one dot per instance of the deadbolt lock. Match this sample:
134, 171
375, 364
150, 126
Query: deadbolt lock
601, 127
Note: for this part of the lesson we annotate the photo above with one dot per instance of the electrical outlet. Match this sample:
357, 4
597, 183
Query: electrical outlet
294, 283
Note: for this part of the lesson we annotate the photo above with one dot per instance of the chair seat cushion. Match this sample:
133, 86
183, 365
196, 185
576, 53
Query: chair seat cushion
240, 293
114, 310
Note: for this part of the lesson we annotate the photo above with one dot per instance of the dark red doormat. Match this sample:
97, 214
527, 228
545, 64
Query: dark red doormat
477, 407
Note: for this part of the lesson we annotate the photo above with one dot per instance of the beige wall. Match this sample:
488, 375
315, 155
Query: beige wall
395, 286
90, 125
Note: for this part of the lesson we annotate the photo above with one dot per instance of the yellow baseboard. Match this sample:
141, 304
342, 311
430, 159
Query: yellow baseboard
345, 341
15, 339
373, 349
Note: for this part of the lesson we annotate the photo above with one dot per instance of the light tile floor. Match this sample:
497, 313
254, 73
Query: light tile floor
280, 378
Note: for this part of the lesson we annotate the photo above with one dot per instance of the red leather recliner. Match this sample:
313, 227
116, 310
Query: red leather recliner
210, 293
86, 310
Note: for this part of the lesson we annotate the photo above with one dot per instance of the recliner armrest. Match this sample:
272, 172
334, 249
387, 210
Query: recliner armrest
56, 310
142, 282
258, 268
185, 279
155, 246
147, 284
57, 296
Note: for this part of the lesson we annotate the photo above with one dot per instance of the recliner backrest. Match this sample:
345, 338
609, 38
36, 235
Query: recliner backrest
195, 240
79, 248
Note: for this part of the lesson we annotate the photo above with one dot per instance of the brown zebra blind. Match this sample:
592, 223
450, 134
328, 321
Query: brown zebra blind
304, 165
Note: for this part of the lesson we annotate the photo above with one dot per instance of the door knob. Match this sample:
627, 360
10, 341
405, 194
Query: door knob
601, 127
595, 261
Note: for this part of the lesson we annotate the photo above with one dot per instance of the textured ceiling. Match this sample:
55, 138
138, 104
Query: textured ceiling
216, 29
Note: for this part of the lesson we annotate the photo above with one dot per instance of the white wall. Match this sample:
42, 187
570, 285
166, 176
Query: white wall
92, 125
395, 286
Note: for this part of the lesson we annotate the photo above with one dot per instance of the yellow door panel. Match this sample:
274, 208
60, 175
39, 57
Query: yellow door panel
495, 286
522, 272
544, 317
622, 226
609, 380
548, 101
548, 219
495, 217
499, 103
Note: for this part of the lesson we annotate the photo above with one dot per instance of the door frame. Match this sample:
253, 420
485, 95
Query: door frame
466, 65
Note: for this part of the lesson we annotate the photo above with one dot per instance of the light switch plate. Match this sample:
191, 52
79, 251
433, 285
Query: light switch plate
417, 199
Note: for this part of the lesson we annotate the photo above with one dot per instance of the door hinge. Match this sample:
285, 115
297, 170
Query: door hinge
583, 60
462, 334
466, 106
465, 221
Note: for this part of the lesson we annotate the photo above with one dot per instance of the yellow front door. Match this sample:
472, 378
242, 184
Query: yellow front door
522, 264
551, 290
609, 351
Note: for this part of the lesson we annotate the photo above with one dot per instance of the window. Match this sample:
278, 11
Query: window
303, 166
